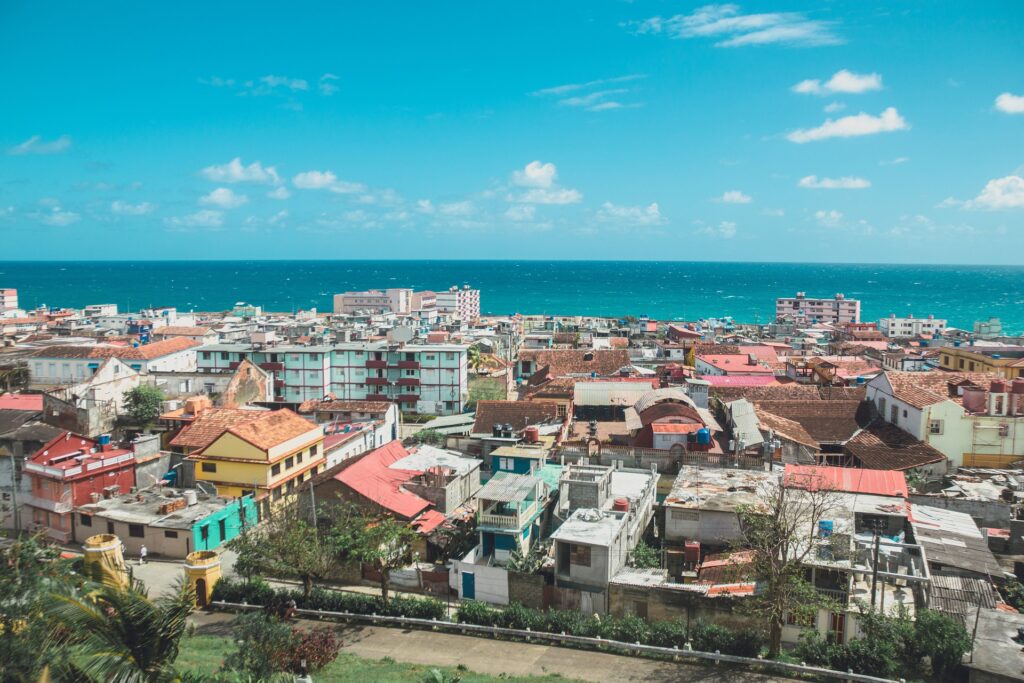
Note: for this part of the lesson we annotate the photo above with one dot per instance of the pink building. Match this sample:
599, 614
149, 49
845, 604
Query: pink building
802, 310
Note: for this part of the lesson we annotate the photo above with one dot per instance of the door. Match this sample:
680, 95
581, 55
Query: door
468, 585
201, 592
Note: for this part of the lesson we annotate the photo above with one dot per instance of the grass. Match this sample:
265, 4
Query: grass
487, 389
205, 653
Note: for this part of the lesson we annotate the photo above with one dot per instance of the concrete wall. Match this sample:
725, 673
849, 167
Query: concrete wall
986, 513
491, 582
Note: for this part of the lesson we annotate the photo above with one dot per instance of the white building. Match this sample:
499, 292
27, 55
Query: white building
910, 326
462, 303
72, 364
8, 298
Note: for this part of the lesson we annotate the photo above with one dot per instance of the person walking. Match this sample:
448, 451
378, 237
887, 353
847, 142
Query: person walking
142, 555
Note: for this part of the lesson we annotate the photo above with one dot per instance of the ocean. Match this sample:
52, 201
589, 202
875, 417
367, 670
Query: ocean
663, 290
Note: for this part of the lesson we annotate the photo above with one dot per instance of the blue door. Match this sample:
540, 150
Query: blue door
468, 585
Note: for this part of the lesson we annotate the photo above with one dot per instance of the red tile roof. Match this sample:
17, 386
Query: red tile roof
519, 414
735, 363
273, 428
740, 380
562, 362
210, 424
148, 352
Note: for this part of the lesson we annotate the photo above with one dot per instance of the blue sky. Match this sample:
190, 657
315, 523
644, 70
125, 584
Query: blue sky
836, 131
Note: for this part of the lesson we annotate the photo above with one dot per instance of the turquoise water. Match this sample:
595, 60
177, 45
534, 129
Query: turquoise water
664, 290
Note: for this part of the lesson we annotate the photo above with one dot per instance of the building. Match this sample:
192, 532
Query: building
430, 379
71, 364
463, 304
91, 407
510, 509
702, 505
69, 471
270, 454
910, 326
374, 300
1005, 361
731, 364
802, 310
424, 486
22, 434
169, 523
202, 335
974, 419
8, 299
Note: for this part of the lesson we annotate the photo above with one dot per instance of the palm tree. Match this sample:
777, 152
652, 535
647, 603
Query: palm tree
474, 358
120, 635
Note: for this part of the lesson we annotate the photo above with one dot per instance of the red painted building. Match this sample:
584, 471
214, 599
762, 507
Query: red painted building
69, 471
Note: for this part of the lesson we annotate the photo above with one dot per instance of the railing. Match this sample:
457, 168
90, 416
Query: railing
48, 504
839, 595
377, 364
409, 364
562, 639
509, 520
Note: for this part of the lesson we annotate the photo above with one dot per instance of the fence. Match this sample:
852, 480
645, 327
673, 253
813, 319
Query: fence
562, 639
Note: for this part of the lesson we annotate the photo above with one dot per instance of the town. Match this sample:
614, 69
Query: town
810, 490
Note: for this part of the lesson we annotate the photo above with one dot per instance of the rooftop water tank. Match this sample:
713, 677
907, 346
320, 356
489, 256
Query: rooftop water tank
532, 434
621, 505
190, 497
704, 436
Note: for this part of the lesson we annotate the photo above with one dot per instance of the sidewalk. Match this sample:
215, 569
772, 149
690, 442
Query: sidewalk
497, 657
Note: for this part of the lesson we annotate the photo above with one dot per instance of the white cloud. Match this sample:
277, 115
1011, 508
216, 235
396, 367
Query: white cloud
894, 162
269, 83
540, 195
278, 217
1001, 193
725, 230
775, 213
733, 29
949, 202
235, 172
842, 81
535, 174
829, 219
813, 182
325, 180
326, 85
125, 209
463, 208
1010, 104
204, 218
734, 197
521, 212
55, 216
425, 206
833, 107
223, 198
852, 126
281, 192
631, 215
36, 145
595, 100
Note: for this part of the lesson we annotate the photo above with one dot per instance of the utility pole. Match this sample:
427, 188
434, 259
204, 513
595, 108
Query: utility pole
874, 572
312, 501
14, 496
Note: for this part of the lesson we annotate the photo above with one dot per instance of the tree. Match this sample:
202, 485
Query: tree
941, 639
13, 377
474, 358
384, 543
118, 634
530, 561
142, 403
287, 546
781, 531
263, 641
644, 556
430, 437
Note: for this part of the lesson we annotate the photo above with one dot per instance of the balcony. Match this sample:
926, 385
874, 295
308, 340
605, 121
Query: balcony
377, 381
63, 505
377, 397
507, 519
408, 398
377, 364
272, 367
409, 364
409, 382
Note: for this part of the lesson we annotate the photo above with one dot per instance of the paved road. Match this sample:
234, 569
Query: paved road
496, 657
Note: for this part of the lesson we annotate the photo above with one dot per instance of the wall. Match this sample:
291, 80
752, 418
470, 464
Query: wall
707, 526
491, 582
233, 524
995, 514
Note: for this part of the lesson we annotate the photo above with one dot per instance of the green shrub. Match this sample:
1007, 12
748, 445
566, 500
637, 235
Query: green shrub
519, 617
630, 629
869, 656
668, 634
473, 612
563, 621
746, 642
813, 649
941, 639
710, 637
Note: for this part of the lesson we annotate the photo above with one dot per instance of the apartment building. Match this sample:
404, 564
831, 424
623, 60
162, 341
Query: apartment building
804, 310
910, 326
8, 298
396, 300
73, 364
422, 378
461, 303
1005, 361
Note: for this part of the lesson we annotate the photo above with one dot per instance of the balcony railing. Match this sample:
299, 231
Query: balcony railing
508, 520
409, 364
377, 381
408, 398
59, 506
837, 594
377, 364
377, 397
409, 382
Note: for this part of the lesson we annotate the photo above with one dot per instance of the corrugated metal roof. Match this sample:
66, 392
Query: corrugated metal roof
505, 487
608, 393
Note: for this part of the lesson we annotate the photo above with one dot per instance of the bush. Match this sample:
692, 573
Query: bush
869, 656
746, 642
941, 639
519, 617
668, 634
710, 637
263, 642
813, 650
317, 648
630, 629
473, 612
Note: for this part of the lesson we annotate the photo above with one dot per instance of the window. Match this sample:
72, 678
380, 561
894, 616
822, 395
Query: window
136, 530
275, 470
222, 528
289, 463
204, 533
904, 412
85, 520
561, 410
313, 450
449, 356
277, 493
579, 555
298, 458
686, 515
209, 467
961, 363
934, 426
224, 355
110, 527
1004, 429
206, 355
170, 534
894, 414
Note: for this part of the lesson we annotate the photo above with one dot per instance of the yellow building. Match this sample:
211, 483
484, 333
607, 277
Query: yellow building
270, 454
1007, 363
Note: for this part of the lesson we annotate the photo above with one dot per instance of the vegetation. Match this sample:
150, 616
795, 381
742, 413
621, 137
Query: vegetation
384, 543
118, 634
930, 644
142, 404
644, 556
204, 655
1013, 594
430, 437
474, 358
781, 530
14, 377
530, 561
267, 646
630, 628
486, 389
